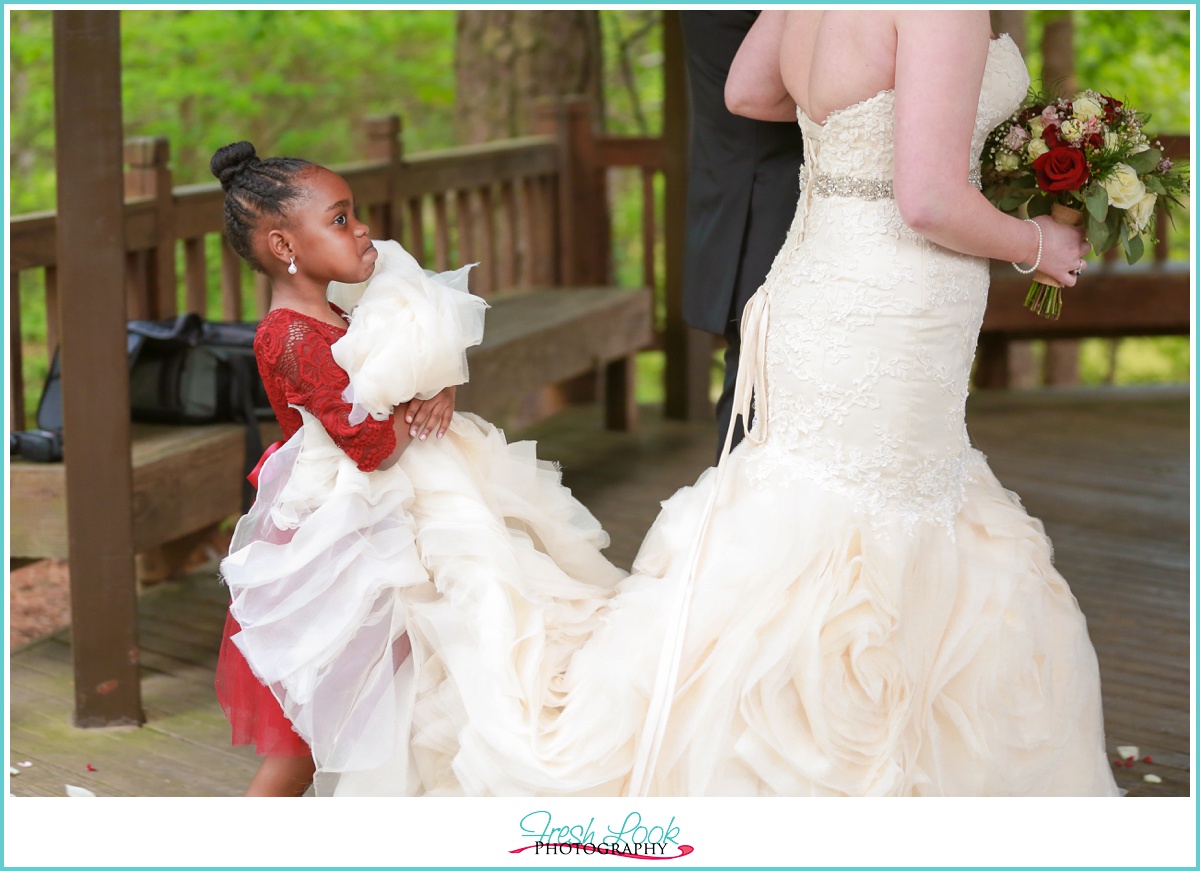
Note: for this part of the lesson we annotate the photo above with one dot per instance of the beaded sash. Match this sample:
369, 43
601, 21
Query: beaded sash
828, 185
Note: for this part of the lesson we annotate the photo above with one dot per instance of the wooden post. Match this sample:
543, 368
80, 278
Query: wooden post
992, 362
1001, 362
1012, 22
91, 263
584, 246
689, 351
583, 203
149, 175
16, 379
383, 142
1061, 364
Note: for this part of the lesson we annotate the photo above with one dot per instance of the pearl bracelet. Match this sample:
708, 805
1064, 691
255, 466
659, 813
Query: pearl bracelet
1037, 262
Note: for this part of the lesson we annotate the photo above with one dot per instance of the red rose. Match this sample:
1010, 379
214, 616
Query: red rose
1061, 169
1110, 108
1051, 136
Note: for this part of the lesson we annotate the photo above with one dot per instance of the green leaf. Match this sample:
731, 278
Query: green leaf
1134, 249
1154, 184
1144, 161
1097, 202
1097, 233
1012, 199
1039, 206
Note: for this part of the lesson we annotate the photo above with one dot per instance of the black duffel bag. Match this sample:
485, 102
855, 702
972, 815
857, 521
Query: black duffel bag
184, 370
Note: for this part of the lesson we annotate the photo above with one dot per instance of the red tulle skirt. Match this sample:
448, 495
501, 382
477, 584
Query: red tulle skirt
253, 712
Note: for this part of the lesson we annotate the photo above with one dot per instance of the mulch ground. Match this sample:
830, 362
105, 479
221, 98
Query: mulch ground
40, 601
40, 593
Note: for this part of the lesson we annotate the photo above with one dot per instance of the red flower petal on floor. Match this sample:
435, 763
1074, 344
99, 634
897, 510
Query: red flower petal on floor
1147, 759
1130, 758
89, 767
1129, 764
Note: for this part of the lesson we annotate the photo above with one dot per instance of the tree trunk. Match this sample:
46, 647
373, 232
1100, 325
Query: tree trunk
505, 60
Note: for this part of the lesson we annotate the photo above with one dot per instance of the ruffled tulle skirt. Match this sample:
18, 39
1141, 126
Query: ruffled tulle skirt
825, 653
385, 609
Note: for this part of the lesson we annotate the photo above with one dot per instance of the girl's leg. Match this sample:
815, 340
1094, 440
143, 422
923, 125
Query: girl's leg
287, 776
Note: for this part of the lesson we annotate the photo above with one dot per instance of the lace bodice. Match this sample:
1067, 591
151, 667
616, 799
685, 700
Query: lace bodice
855, 141
297, 368
872, 329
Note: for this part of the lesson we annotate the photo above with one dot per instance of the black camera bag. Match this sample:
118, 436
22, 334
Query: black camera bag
181, 371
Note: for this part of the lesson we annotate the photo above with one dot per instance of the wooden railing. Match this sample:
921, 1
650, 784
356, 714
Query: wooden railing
526, 210
532, 211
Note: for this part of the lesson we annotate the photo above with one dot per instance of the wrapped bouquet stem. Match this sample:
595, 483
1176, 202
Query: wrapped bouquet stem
1045, 294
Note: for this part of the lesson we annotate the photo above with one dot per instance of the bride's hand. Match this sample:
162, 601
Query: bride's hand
1063, 250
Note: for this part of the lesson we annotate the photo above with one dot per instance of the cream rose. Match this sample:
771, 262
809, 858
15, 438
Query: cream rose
1086, 107
1037, 148
1071, 131
1124, 187
1139, 214
1006, 161
1111, 140
1036, 126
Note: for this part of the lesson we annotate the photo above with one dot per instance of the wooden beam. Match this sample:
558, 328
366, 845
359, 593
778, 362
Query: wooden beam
689, 351
91, 279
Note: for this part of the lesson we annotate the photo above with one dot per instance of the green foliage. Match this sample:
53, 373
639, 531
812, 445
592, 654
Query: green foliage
1141, 57
1139, 360
292, 82
633, 77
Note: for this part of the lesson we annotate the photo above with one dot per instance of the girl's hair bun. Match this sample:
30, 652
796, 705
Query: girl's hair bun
231, 161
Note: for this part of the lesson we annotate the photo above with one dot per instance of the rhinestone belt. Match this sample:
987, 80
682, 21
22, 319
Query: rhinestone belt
826, 185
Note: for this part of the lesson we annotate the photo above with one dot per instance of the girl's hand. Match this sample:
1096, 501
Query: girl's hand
1063, 250
430, 415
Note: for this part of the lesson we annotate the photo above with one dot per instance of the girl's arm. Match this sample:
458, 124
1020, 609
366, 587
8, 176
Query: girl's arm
940, 59
315, 382
754, 87
400, 429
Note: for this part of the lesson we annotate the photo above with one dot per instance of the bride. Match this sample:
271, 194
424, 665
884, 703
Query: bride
849, 603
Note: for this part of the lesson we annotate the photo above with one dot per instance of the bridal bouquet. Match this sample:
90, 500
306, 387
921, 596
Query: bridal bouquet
1084, 161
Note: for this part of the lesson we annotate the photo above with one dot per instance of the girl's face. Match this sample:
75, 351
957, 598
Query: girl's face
329, 242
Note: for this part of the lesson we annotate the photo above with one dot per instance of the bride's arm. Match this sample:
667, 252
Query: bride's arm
754, 87
940, 59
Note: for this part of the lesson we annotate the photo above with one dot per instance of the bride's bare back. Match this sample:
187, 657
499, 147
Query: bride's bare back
835, 59
934, 62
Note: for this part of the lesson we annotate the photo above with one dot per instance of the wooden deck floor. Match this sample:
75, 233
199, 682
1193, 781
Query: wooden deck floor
1109, 473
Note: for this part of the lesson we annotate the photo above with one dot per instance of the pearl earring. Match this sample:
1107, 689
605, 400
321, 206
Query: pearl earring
292, 266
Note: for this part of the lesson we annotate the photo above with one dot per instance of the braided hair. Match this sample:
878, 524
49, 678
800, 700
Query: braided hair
253, 188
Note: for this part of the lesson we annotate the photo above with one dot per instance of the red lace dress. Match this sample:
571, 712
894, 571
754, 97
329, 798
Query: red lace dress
297, 367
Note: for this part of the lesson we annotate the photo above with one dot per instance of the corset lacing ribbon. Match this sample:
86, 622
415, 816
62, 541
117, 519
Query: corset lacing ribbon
750, 388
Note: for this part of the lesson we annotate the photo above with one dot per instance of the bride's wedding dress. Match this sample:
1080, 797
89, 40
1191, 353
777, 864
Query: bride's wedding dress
849, 604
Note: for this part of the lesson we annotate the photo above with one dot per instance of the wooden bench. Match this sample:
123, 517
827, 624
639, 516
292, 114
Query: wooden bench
1100, 306
539, 337
186, 480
